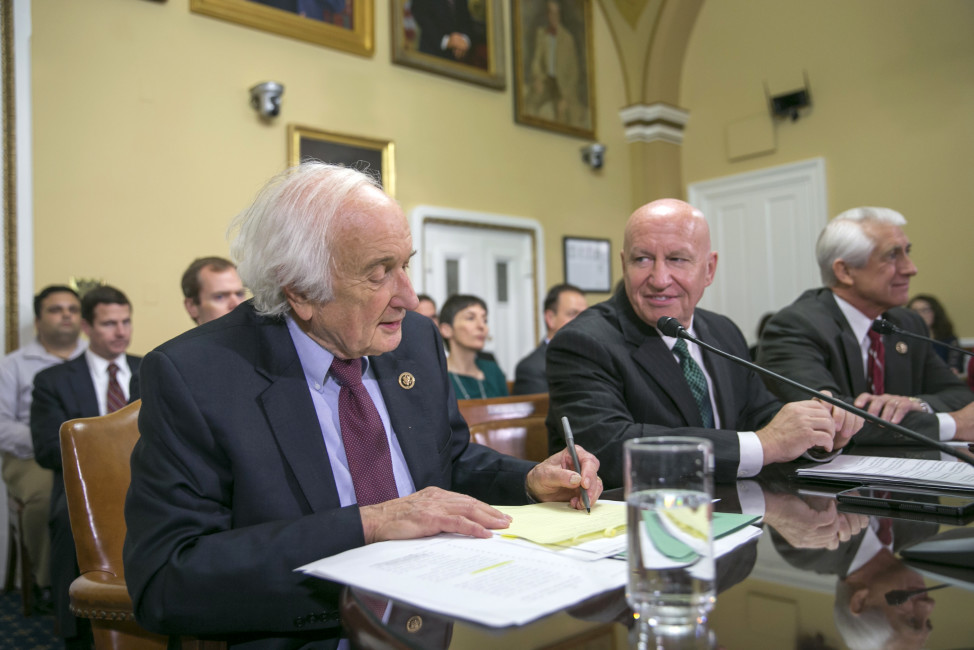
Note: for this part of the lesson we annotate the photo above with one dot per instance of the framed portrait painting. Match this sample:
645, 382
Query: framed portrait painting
374, 157
463, 39
342, 24
554, 85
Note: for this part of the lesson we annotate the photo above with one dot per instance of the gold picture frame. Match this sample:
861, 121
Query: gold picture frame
556, 93
366, 154
350, 28
416, 47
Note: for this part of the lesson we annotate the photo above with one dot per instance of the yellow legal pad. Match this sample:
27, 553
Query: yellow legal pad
560, 524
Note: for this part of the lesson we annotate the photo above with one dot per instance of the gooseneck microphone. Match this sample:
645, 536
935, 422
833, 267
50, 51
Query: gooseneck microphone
883, 326
672, 327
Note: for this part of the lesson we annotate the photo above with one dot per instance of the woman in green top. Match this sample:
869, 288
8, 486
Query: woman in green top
463, 324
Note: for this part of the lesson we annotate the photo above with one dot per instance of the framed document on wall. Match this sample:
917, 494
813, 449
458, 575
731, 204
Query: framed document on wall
374, 157
588, 263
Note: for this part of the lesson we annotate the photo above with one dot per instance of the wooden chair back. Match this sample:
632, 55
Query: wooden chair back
511, 407
513, 425
525, 438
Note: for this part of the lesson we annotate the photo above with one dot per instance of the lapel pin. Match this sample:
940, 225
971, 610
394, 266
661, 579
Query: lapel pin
406, 380
901, 347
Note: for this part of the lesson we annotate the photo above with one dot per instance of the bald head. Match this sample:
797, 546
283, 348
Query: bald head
668, 211
666, 260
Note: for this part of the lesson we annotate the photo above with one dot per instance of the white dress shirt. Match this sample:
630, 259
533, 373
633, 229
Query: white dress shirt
752, 453
98, 367
861, 324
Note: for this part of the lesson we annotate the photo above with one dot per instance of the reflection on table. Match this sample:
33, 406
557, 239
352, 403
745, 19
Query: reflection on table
822, 576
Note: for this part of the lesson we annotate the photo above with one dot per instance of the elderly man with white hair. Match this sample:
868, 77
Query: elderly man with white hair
824, 339
315, 418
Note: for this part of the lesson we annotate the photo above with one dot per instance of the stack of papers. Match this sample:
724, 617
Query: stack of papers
552, 557
893, 471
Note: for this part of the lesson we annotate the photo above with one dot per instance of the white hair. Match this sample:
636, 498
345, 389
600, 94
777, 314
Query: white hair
843, 238
284, 238
865, 631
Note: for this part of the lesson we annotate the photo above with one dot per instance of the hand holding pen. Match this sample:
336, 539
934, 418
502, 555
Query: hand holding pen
570, 442
570, 475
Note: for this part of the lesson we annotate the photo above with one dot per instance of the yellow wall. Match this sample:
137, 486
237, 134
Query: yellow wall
145, 145
892, 85
142, 130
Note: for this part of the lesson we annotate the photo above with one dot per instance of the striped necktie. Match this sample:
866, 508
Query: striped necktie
116, 397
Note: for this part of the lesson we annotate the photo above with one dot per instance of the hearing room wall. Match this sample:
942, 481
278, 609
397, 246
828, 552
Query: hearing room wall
892, 88
145, 145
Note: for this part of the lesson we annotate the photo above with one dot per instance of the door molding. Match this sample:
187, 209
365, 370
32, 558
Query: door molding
422, 215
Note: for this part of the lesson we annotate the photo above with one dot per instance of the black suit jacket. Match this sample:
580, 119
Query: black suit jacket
529, 376
811, 342
232, 488
437, 19
615, 379
61, 393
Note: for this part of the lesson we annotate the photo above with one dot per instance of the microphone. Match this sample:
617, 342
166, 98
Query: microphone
883, 326
672, 327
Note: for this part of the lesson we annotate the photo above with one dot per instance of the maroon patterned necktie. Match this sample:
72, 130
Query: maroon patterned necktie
116, 398
366, 446
874, 369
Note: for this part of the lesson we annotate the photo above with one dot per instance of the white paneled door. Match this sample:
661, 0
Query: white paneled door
763, 225
494, 258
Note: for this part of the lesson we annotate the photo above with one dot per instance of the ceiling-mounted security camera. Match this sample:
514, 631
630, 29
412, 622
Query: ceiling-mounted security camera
266, 99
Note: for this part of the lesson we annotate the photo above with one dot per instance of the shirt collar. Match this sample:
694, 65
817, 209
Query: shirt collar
99, 365
35, 350
315, 360
858, 321
671, 340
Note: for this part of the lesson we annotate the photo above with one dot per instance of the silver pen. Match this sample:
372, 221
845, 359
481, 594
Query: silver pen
570, 440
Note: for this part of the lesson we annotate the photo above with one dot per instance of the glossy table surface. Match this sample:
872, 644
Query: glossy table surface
819, 574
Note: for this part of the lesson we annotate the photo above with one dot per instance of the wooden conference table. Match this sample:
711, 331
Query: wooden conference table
778, 592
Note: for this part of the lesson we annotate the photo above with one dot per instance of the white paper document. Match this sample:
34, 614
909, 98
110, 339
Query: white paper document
894, 471
489, 581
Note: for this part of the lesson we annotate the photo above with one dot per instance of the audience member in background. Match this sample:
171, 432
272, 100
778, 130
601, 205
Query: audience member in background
100, 381
211, 288
562, 304
57, 320
427, 307
463, 325
825, 339
941, 328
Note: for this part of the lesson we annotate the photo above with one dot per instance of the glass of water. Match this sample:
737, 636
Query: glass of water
669, 492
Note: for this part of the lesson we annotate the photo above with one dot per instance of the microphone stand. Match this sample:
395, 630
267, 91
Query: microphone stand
883, 326
671, 327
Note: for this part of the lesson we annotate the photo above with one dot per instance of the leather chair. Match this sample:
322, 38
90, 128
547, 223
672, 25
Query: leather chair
95, 456
525, 438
